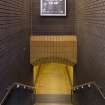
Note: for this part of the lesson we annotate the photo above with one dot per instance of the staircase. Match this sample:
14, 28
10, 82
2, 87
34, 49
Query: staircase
53, 86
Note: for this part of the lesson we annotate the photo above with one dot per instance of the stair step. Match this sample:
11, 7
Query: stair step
53, 98
53, 79
51, 104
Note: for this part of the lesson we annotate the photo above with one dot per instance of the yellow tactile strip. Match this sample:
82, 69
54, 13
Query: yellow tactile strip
53, 79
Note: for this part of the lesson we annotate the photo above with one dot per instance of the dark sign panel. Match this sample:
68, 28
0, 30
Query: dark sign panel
53, 8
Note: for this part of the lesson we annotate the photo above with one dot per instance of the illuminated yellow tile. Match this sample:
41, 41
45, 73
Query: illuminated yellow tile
53, 79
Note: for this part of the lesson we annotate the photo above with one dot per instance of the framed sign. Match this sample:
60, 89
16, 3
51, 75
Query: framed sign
53, 8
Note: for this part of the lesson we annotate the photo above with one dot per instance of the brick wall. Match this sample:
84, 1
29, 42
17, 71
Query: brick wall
90, 28
14, 42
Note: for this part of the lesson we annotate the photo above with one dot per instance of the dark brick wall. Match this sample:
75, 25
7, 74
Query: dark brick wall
14, 42
52, 25
90, 28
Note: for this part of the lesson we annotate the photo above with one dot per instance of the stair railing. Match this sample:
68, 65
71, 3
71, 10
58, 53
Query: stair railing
17, 85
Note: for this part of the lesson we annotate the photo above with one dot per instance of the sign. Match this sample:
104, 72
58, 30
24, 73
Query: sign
53, 8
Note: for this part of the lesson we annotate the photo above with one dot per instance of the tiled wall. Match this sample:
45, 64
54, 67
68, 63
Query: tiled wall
14, 38
52, 25
14, 42
53, 49
90, 28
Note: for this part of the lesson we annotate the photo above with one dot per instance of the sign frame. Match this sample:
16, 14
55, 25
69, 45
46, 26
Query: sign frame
41, 13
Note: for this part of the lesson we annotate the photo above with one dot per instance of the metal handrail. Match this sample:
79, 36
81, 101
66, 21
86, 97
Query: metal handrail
89, 84
71, 84
11, 87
